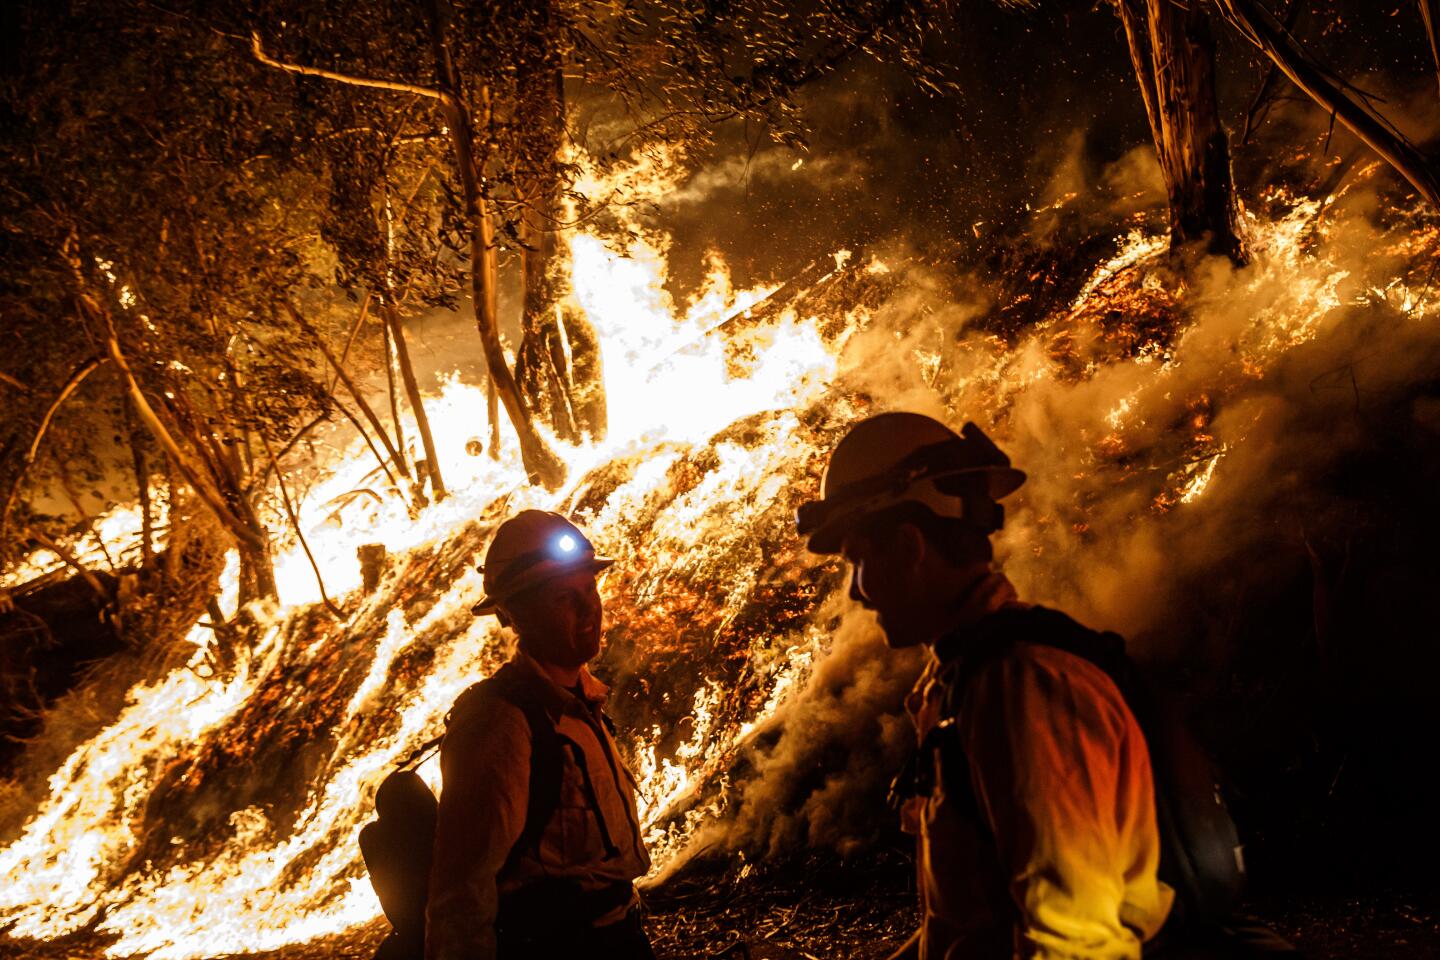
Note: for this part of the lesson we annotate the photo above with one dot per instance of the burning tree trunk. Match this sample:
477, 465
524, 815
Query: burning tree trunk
1262, 29
1173, 52
557, 364
540, 462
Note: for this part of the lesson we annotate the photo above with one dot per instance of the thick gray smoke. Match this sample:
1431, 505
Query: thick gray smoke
1180, 430
822, 782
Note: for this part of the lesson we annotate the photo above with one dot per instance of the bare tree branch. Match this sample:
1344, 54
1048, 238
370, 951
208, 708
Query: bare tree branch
69, 560
306, 326
1430, 11
193, 475
257, 48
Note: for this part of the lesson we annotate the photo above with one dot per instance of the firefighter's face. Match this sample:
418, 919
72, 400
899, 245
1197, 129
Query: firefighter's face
559, 620
885, 577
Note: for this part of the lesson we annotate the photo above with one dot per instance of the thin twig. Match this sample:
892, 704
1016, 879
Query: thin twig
295, 523
71, 384
69, 560
354, 391
350, 341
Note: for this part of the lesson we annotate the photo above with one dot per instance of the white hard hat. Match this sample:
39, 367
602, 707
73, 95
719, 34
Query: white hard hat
531, 547
895, 458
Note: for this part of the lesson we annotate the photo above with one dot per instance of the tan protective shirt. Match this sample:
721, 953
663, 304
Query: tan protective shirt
1064, 863
485, 766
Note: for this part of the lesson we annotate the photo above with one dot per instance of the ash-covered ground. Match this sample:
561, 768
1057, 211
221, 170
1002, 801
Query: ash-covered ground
825, 907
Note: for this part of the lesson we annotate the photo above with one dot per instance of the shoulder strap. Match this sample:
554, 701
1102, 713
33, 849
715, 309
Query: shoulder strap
993, 636
1199, 843
546, 762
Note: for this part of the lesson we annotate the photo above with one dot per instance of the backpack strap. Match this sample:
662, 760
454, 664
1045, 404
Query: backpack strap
1199, 845
546, 762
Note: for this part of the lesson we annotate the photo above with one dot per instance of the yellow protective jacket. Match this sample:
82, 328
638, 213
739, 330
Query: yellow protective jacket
1053, 851
592, 841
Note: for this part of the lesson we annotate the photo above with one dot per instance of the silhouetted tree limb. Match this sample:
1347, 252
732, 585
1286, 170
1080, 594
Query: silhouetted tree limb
397, 86
1430, 13
1260, 27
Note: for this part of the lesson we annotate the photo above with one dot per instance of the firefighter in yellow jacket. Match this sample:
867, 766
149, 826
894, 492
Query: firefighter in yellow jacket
538, 841
1043, 843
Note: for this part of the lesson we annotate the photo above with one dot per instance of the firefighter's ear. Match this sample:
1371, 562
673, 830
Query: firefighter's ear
908, 547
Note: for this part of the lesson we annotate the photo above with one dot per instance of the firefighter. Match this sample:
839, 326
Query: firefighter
1036, 830
538, 840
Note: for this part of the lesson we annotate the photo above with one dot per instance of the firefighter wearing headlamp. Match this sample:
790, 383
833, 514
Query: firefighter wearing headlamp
538, 839
1036, 821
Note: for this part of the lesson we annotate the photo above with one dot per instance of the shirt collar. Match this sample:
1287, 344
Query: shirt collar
992, 592
592, 691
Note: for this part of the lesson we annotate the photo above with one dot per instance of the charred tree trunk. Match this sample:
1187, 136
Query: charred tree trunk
587, 375
558, 364
1173, 53
539, 461
417, 403
1262, 29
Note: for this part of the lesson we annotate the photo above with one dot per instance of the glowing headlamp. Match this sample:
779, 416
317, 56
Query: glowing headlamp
566, 543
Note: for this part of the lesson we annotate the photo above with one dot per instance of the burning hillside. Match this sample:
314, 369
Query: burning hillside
221, 806
252, 465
